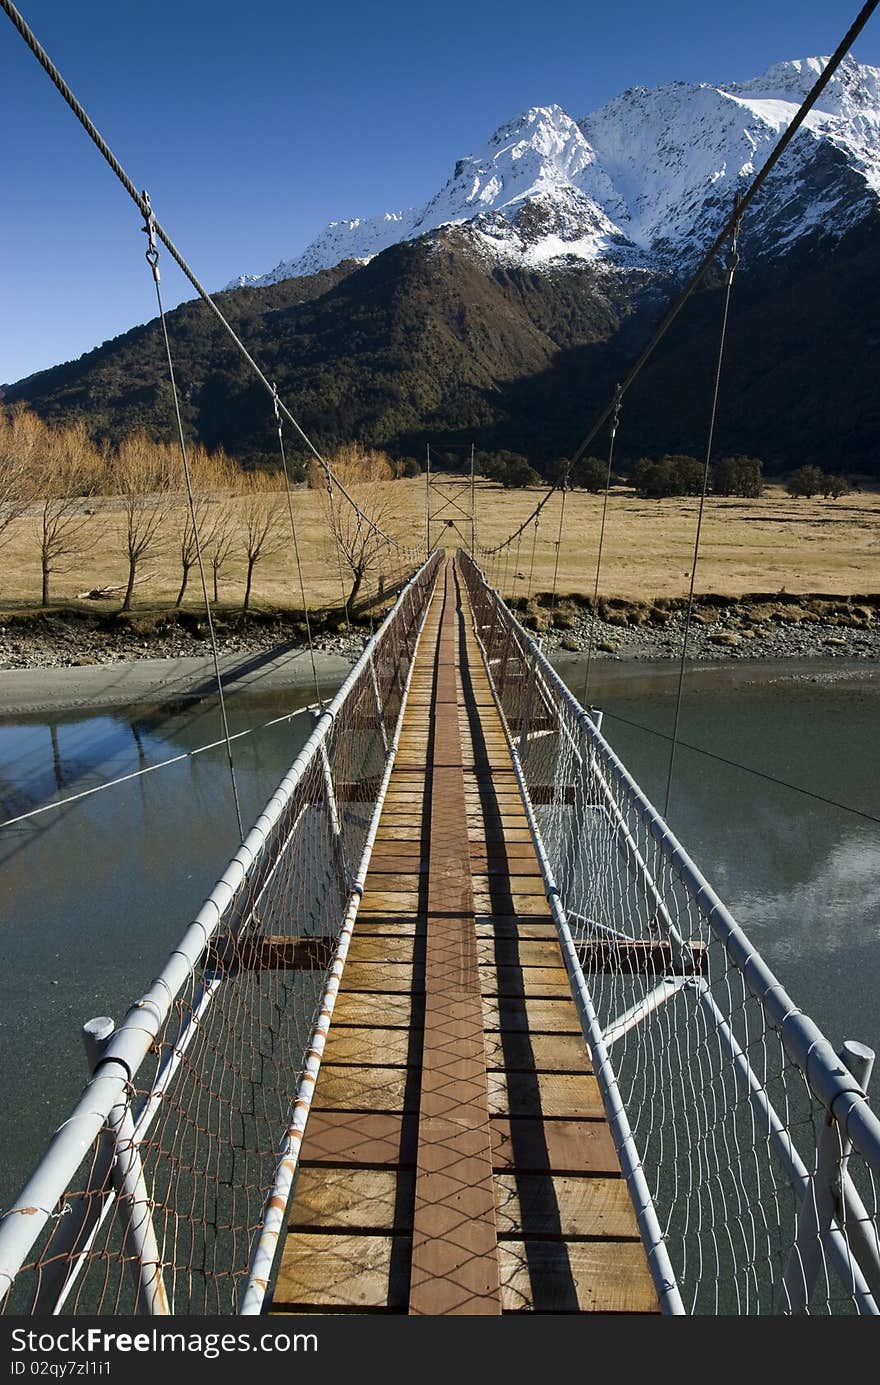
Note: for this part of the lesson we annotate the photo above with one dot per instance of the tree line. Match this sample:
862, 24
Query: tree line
656, 479
56, 485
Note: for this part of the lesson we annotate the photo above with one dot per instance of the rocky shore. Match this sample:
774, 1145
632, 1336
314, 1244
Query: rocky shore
752, 628
66, 640
756, 627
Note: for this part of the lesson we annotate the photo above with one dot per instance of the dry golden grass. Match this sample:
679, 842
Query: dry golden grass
102, 561
747, 545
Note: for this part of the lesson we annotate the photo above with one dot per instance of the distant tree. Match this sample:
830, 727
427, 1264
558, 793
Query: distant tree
188, 548
590, 474
806, 482
209, 475
261, 515
738, 476
145, 477
352, 463
493, 467
687, 474
62, 480
676, 474
20, 435
520, 474
359, 540
224, 531
833, 487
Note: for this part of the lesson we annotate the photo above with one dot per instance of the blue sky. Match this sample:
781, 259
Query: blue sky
253, 125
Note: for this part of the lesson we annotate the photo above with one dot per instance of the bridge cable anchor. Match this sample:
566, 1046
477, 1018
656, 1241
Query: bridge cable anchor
149, 227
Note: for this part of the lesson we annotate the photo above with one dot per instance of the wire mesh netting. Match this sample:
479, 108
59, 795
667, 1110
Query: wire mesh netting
761, 1155
151, 1196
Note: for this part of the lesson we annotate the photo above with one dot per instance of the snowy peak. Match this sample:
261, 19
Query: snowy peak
648, 178
854, 88
541, 154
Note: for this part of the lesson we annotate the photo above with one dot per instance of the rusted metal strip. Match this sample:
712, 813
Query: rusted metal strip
229, 955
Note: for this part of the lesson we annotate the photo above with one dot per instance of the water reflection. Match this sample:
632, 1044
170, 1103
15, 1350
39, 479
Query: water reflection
96, 892
800, 876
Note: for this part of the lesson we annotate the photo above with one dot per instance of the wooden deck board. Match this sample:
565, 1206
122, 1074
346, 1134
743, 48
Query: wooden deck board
454, 1029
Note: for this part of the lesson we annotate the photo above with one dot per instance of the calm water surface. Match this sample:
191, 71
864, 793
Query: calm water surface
95, 894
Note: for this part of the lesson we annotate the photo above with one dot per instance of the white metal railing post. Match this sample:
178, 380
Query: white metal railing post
127, 1174
332, 805
822, 1198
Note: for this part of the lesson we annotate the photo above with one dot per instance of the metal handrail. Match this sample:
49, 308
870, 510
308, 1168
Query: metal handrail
121, 1058
826, 1074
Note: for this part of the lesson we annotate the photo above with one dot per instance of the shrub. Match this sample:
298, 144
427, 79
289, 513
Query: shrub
590, 474
672, 475
833, 487
738, 476
520, 473
806, 481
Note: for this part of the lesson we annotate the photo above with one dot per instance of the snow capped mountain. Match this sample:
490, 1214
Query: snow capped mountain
649, 178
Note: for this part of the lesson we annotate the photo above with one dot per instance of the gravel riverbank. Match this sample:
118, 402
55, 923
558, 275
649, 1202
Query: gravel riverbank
719, 633
57, 661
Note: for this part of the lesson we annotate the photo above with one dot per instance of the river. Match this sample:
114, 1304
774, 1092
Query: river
97, 892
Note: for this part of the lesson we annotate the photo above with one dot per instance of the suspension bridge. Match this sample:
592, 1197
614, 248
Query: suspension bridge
462, 1029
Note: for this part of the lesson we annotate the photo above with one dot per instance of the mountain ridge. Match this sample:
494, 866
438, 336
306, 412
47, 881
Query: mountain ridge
646, 178
507, 329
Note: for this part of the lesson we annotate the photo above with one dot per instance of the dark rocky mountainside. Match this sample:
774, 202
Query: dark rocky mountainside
430, 342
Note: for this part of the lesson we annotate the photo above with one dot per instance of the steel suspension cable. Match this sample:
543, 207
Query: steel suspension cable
594, 614
302, 586
141, 201
732, 262
152, 257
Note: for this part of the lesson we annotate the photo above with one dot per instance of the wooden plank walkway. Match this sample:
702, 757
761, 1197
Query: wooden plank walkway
457, 1159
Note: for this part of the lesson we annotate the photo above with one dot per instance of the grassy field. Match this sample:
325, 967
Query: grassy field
761, 545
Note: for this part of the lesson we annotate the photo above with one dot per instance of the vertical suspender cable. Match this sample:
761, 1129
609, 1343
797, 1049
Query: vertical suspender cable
152, 256
532, 559
279, 423
516, 564
473, 508
558, 547
334, 529
732, 262
615, 419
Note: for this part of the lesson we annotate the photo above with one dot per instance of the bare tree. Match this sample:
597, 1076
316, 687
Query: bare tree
62, 478
263, 536
188, 546
224, 531
213, 477
20, 433
144, 475
360, 544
